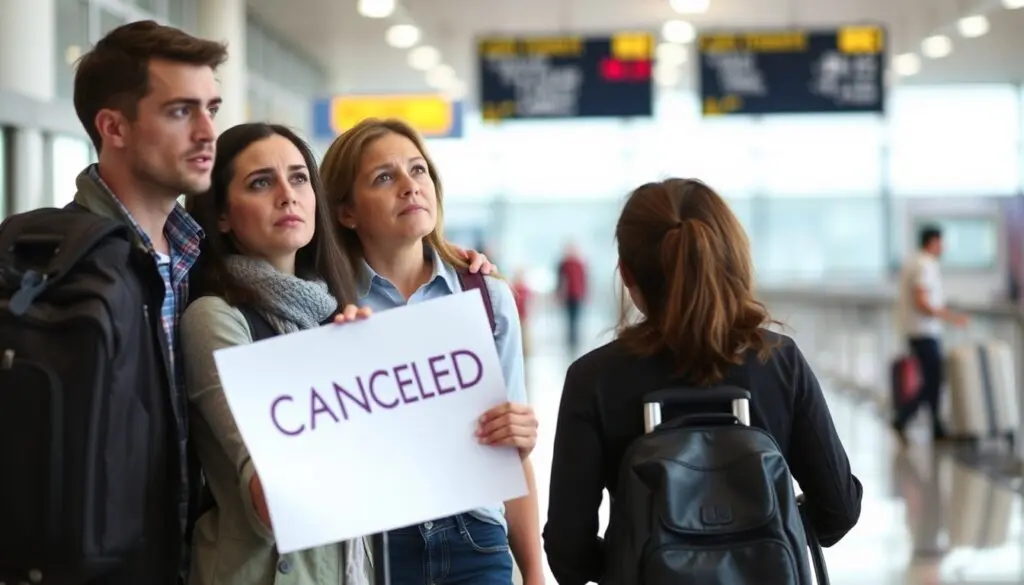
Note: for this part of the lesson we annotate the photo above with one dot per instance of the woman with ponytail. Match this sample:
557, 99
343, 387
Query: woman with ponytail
694, 322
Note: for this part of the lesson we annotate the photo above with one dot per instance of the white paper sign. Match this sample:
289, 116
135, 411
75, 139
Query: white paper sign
370, 426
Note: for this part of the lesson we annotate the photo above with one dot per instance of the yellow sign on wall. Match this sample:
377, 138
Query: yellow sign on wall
433, 116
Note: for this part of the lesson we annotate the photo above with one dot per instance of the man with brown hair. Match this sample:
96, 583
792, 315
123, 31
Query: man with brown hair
147, 96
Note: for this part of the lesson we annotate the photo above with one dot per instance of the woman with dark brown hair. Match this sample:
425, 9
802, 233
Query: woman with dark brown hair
685, 262
268, 258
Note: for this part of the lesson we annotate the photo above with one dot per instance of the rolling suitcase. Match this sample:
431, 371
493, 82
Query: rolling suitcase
982, 391
741, 411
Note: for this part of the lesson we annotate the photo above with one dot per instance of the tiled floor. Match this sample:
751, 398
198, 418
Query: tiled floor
926, 520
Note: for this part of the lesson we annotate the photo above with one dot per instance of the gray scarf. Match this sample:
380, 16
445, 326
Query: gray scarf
288, 302
292, 304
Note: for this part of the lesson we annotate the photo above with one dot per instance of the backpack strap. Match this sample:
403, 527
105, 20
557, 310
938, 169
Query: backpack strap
471, 280
259, 327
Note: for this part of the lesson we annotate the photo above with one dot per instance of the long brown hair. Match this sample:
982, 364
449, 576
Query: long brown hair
339, 171
685, 253
320, 259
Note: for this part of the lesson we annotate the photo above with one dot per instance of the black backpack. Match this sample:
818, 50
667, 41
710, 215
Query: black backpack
704, 498
74, 470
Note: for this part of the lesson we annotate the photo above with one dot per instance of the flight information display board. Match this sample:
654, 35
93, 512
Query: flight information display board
793, 71
566, 76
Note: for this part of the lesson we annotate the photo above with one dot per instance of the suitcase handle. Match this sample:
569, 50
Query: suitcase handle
740, 407
710, 418
684, 395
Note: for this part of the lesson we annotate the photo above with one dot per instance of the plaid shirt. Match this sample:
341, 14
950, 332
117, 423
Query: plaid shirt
183, 235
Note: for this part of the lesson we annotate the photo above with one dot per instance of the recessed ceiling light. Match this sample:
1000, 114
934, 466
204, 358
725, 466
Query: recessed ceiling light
937, 46
376, 8
424, 57
441, 77
1013, 4
456, 90
402, 36
973, 26
906, 64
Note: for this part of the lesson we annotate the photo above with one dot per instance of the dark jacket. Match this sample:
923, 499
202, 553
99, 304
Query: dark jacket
601, 413
162, 558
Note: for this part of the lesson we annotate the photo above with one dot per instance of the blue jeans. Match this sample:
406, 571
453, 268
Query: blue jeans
458, 550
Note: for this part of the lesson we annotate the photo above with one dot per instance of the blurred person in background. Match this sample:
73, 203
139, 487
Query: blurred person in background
922, 313
572, 293
523, 294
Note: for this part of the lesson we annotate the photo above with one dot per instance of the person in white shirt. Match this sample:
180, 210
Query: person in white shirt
923, 314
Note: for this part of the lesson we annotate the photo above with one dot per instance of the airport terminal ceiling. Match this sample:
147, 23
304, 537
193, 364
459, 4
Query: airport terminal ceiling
355, 54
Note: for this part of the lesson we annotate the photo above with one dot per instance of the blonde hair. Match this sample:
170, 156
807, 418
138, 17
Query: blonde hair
339, 171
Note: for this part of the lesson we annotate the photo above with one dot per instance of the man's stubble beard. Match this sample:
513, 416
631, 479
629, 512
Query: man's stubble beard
170, 182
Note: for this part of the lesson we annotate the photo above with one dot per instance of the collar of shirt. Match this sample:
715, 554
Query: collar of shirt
183, 233
368, 277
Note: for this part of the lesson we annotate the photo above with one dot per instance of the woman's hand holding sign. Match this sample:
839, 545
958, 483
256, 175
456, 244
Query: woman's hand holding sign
509, 425
352, 313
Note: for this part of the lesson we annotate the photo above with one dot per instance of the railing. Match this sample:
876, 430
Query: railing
850, 337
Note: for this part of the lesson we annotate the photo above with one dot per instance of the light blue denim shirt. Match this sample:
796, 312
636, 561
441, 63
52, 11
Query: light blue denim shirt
379, 294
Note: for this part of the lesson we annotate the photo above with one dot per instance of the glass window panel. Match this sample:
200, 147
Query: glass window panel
819, 155
951, 167
579, 160
109, 21
718, 152
179, 13
955, 140
272, 59
965, 113
743, 209
679, 143
254, 47
253, 109
3, 173
72, 40
811, 239
69, 155
466, 171
153, 7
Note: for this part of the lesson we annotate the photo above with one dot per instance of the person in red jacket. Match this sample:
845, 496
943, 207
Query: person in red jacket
572, 292
523, 295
